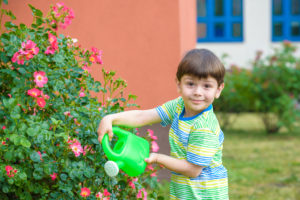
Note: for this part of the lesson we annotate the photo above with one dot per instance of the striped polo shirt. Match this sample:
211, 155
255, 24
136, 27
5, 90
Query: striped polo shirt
199, 140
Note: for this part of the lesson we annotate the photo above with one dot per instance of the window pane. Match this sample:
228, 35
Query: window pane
201, 30
277, 29
277, 7
201, 8
219, 30
295, 7
237, 30
236, 7
295, 29
219, 7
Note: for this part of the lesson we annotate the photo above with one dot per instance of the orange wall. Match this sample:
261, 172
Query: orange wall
142, 41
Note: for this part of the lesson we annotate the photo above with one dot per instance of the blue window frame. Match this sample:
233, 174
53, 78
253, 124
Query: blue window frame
219, 20
285, 20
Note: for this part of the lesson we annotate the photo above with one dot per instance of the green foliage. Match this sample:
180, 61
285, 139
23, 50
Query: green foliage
271, 88
38, 130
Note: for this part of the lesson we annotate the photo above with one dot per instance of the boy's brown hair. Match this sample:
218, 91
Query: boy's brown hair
201, 63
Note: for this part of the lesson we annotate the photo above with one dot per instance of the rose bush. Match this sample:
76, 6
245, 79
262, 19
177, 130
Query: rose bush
48, 117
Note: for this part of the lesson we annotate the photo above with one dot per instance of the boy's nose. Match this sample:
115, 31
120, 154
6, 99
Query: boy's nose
198, 91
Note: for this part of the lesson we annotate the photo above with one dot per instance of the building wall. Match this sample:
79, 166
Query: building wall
142, 41
257, 35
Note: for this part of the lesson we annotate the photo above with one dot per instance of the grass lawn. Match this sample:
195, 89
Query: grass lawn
260, 166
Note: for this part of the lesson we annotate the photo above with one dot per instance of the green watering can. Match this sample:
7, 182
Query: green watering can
128, 153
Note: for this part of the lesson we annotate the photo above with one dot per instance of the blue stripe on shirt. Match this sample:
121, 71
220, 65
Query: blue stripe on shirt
164, 117
221, 137
209, 173
198, 160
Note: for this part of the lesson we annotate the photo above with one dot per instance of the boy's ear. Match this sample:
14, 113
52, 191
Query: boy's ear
219, 90
177, 84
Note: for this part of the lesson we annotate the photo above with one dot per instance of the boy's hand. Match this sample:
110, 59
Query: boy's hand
105, 127
152, 158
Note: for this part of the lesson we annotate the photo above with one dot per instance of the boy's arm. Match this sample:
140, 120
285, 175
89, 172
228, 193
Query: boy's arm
176, 165
133, 118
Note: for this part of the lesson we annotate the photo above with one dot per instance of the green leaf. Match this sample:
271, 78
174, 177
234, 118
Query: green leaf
95, 141
5, 103
3, 57
47, 135
10, 14
23, 176
35, 157
5, 1
33, 131
75, 173
89, 172
39, 138
23, 127
35, 12
23, 27
8, 155
63, 135
13, 104
37, 175
10, 50
11, 181
39, 21
22, 71
45, 125
20, 155
25, 143
59, 59
10, 25
55, 122
26, 195
16, 140
5, 188
133, 97
13, 137
47, 169
63, 177
5, 38
10, 103
15, 116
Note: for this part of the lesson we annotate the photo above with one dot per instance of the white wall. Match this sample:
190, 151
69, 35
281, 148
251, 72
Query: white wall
257, 35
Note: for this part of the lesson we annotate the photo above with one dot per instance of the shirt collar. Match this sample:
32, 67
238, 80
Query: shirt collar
193, 117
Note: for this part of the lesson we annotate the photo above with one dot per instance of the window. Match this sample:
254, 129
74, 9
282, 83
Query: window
286, 20
219, 20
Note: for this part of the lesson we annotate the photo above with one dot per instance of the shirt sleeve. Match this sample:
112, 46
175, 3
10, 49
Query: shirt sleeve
167, 112
202, 147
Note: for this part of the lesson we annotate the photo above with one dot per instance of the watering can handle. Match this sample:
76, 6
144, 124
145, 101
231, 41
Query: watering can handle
107, 150
120, 132
106, 146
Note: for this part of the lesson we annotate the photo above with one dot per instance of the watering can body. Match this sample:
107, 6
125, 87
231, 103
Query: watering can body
128, 153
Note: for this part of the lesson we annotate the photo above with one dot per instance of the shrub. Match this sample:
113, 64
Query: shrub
237, 96
271, 88
277, 87
48, 117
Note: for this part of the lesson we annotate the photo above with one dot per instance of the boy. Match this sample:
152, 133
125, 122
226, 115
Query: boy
195, 136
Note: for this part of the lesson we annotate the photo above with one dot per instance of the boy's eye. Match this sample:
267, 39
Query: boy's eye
190, 83
207, 86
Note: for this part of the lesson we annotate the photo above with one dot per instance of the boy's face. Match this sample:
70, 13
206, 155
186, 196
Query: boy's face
198, 94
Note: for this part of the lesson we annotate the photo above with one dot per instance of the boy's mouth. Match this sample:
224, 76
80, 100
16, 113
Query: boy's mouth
197, 101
